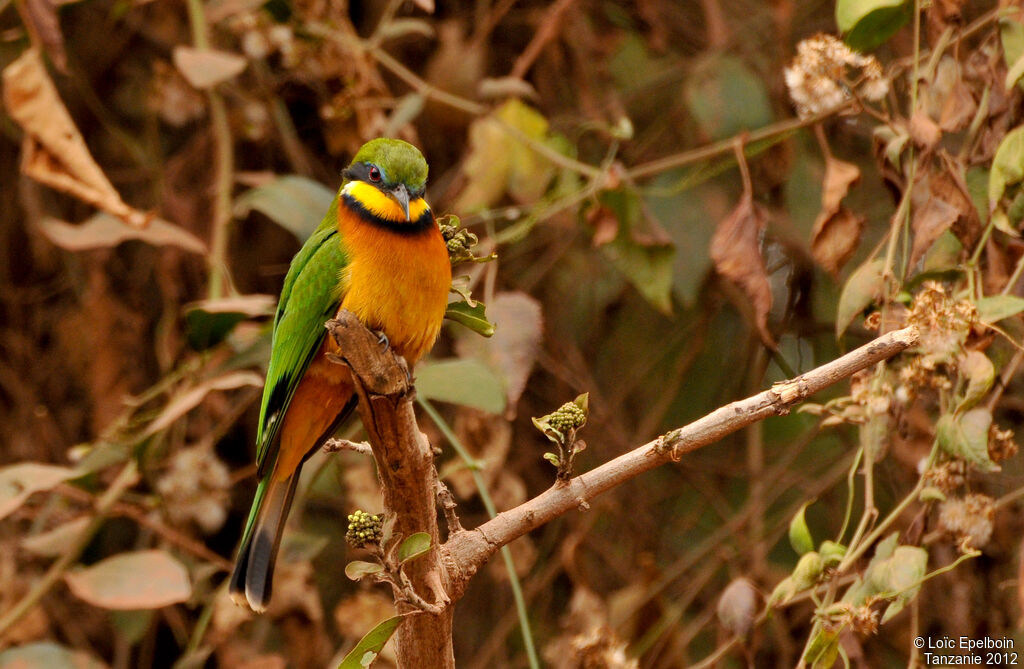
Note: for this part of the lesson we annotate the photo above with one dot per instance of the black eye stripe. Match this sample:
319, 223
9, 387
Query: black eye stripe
362, 172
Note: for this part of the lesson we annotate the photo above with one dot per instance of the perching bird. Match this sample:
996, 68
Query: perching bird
378, 253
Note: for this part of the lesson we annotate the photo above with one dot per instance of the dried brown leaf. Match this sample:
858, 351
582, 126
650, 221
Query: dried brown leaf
835, 239
186, 400
53, 151
105, 231
735, 251
928, 221
19, 481
836, 230
958, 108
55, 541
948, 184
605, 224
205, 68
129, 581
839, 176
513, 349
924, 131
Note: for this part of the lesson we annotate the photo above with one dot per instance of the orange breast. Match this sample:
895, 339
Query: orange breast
396, 283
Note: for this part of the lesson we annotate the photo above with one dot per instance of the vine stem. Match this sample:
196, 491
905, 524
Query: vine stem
224, 164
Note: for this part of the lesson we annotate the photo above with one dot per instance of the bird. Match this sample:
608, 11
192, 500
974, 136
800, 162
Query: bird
378, 253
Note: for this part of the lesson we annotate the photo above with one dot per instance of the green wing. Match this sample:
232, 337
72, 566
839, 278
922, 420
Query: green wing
310, 296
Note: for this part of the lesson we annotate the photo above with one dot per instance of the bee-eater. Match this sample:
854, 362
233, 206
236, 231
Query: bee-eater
378, 253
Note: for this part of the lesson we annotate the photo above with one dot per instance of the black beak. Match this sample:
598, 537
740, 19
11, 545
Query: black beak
400, 194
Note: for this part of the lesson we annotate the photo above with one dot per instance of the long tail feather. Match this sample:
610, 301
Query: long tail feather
252, 581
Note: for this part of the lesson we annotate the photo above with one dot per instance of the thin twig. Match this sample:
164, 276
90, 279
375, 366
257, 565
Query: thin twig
470, 549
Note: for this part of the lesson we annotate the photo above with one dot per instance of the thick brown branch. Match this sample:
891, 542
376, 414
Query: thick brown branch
405, 465
467, 551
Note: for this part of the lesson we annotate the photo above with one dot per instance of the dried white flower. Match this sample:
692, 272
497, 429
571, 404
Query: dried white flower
820, 77
969, 518
195, 488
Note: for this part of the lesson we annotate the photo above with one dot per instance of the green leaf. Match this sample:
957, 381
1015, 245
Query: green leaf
966, 436
148, 579
501, 160
131, 626
808, 570
1007, 166
799, 534
208, 322
862, 288
552, 458
782, 593
413, 546
823, 649
372, 643
831, 553
461, 381
473, 317
932, 494
640, 249
997, 307
866, 24
296, 203
1011, 34
902, 575
356, 569
980, 374
725, 97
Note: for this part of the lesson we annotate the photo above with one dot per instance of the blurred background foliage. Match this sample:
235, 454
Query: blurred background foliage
162, 161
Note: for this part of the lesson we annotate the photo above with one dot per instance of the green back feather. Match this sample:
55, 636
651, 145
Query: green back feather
311, 295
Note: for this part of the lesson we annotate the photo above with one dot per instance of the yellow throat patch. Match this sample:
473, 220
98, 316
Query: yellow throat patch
380, 205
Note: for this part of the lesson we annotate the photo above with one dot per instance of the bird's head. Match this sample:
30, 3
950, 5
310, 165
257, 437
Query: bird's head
388, 177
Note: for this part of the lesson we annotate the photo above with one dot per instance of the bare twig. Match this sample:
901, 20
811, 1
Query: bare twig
447, 502
337, 445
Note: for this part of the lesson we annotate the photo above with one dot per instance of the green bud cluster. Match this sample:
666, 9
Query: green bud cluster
364, 528
567, 417
459, 241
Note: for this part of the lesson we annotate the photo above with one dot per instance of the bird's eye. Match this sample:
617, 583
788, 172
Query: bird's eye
374, 174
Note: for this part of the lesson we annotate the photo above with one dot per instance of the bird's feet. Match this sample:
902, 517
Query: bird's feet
383, 340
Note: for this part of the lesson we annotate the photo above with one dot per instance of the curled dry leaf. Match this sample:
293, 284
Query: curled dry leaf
53, 151
836, 230
735, 251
